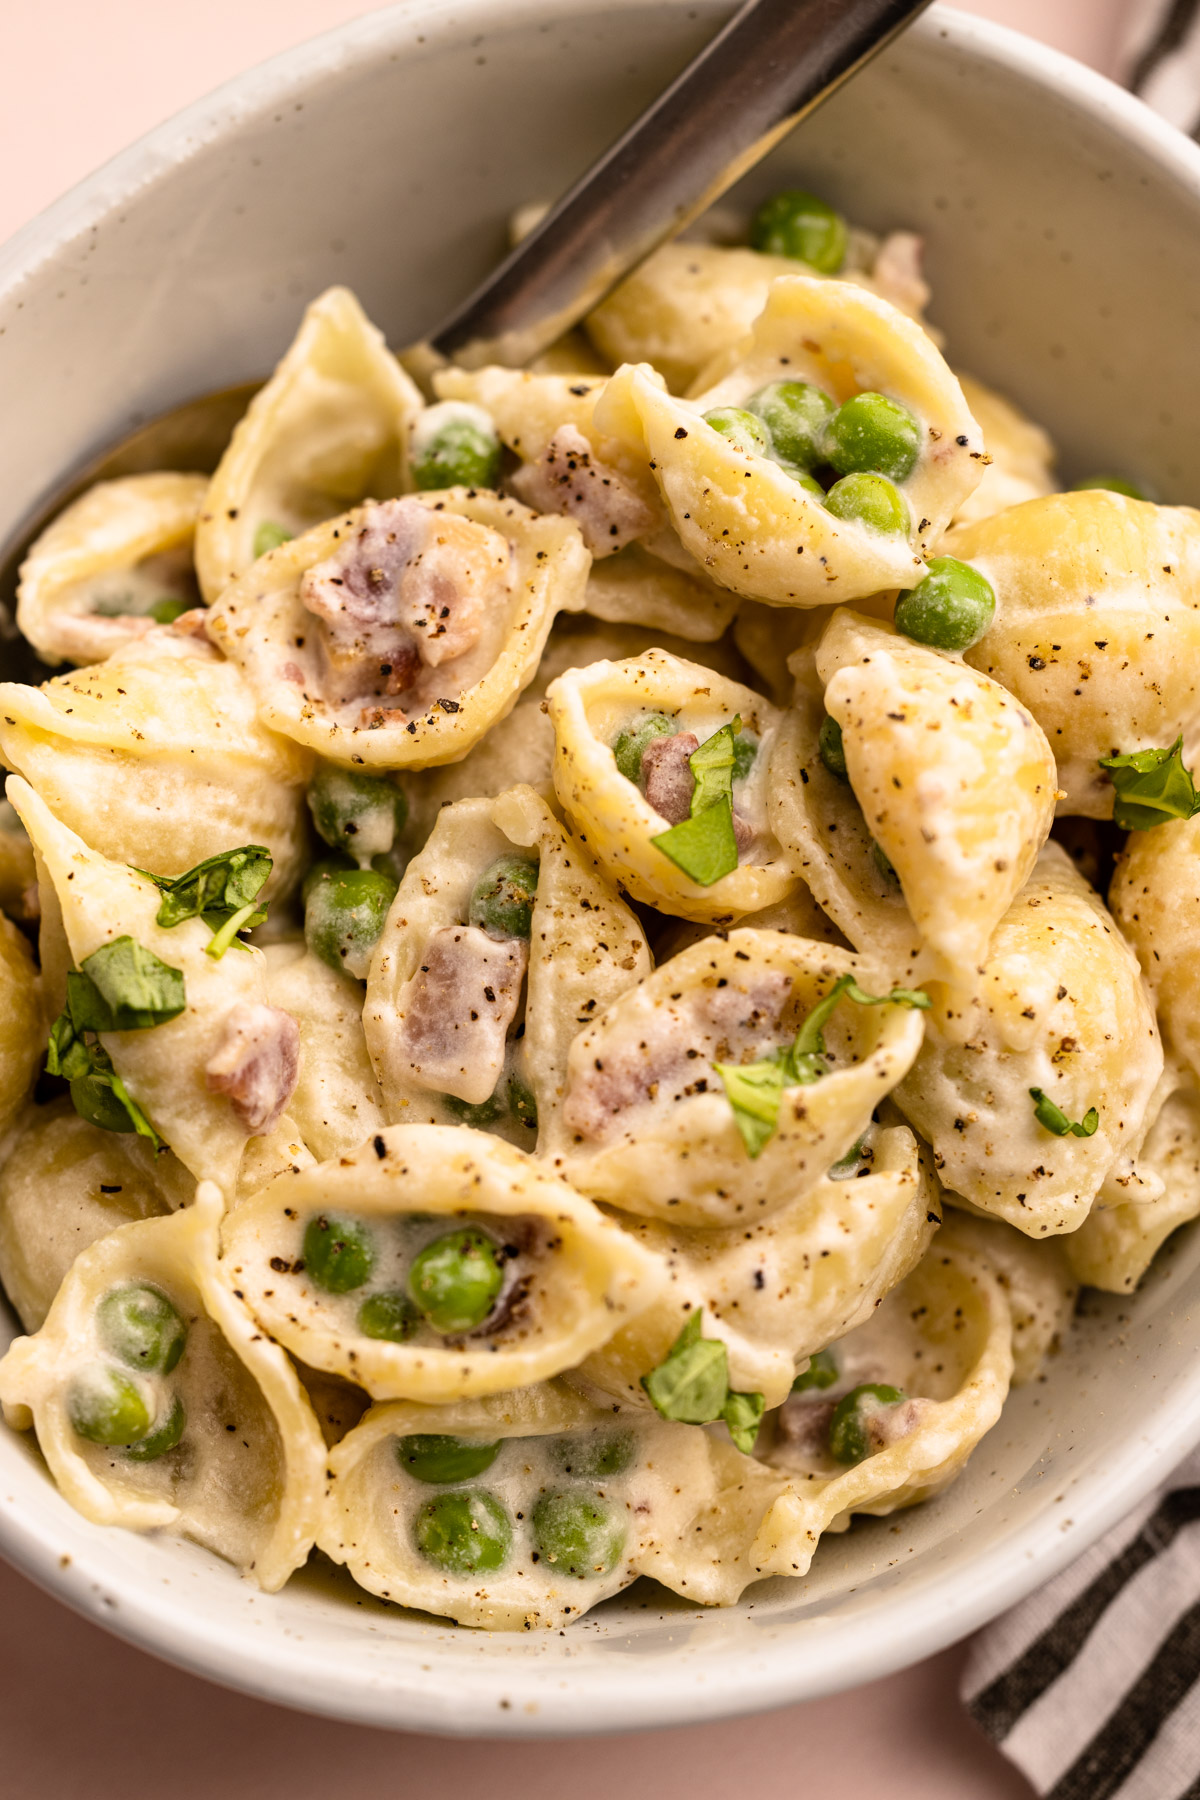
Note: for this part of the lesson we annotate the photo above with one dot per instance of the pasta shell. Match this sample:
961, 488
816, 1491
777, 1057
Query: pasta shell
517, 570
328, 430
571, 1276
1062, 1008
90, 580
246, 1479
654, 1132
1097, 627
589, 708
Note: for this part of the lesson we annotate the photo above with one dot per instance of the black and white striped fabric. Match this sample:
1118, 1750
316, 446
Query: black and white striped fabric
1092, 1687
1162, 59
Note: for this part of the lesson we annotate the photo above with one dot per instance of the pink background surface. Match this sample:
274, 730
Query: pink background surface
82, 1715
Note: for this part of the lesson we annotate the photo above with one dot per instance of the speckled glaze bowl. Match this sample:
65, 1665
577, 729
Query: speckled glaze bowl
1063, 227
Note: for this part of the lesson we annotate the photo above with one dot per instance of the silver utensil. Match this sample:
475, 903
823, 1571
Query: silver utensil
771, 65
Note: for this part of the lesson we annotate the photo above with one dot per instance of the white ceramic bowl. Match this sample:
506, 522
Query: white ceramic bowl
1063, 224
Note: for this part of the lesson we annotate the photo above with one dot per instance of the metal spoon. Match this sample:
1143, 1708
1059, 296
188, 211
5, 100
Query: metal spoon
770, 66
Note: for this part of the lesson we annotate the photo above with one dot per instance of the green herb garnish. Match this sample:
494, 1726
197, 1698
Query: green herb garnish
124, 987
1151, 786
704, 845
223, 891
1054, 1119
754, 1089
691, 1386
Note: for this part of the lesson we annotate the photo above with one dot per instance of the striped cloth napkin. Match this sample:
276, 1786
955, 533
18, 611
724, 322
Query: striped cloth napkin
1092, 1686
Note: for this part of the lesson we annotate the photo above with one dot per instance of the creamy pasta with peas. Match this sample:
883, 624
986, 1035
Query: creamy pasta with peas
591, 957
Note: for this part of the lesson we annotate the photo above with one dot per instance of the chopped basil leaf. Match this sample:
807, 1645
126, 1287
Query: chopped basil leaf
220, 890
704, 845
1151, 786
691, 1383
822, 1372
124, 987
755, 1089
97, 1091
691, 1387
1054, 1119
743, 1414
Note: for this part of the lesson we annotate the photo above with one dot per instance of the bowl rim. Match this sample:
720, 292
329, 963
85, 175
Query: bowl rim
905, 1627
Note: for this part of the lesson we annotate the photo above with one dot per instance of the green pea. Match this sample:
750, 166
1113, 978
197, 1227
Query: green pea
455, 1280
463, 1533
797, 416
106, 1406
345, 911
596, 1457
822, 1372
357, 814
831, 749
870, 500
269, 536
577, 1535
629, 745
479, 1115
873, 435
950, 608
798, 224
745, 749
522, 1102
743, 430
141, 1327
95, 1101
339, 1252
442, 1460
462, 452
883, 862
326, 869
1112, 484
162, 1437
168, 609
803, 479
502, 898
849, 1433
390, 1315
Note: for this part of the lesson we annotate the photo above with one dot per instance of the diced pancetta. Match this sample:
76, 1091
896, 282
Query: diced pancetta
668, 779
456, 1010
257, 1064
569, 478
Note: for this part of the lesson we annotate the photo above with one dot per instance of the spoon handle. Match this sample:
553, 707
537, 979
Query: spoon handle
774, 62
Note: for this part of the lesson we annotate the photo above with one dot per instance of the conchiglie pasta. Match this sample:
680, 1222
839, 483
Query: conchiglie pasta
1119, 1239
328, 430
1038, 1279
955, 780
778, 1289
618, 818
91, 581
156, 757
653, 1129
469, 1022
553, 1279
21, 1030
232, 1457
1097, 627
398, 635
942, 1339
746, 521
1062, 1008
1155, 899
65, 1184
543, 1458
175, 1070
